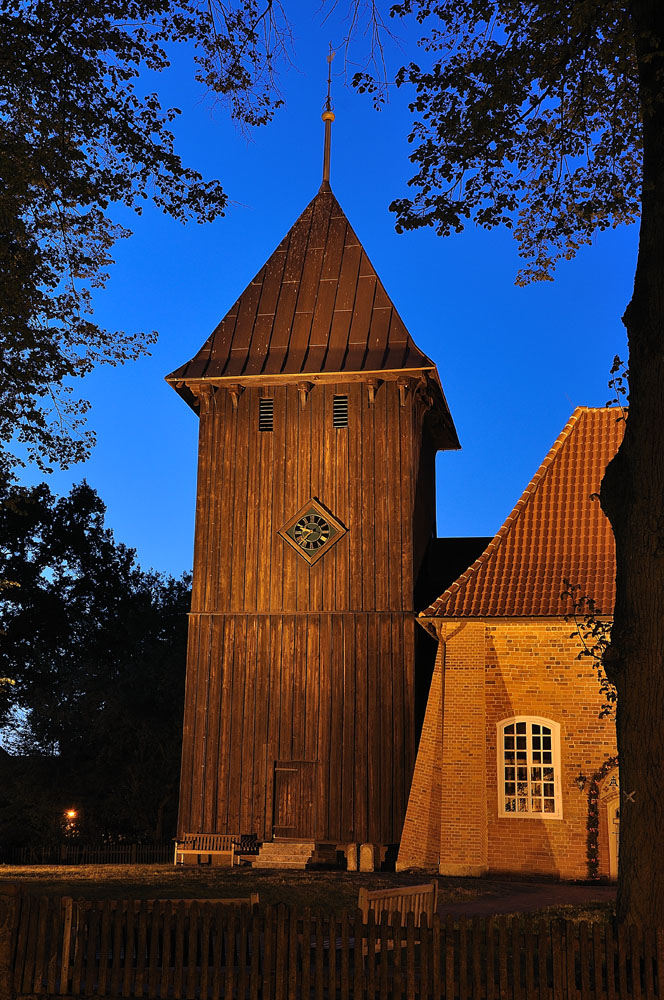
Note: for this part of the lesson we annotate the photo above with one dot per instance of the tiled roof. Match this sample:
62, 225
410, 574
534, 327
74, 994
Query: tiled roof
316, 306
556, 532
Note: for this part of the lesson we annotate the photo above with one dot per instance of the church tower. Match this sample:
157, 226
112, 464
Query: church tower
319, 423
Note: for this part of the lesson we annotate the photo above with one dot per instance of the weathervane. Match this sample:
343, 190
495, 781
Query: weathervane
328, 118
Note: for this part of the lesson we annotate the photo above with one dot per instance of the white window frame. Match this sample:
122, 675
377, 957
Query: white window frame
530, 720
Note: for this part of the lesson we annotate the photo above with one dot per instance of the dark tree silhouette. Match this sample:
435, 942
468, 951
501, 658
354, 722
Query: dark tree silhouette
95, 647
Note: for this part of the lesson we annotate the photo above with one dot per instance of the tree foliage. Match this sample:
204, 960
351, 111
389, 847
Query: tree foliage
548, 117
97, 649
77, 137
525, 115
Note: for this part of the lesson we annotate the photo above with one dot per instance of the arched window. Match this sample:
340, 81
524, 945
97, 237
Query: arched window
529, 768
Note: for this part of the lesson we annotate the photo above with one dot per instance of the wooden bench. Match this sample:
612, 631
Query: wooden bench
415, 899
206, 849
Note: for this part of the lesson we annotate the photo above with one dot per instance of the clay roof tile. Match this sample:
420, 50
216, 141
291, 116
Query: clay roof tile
555, 532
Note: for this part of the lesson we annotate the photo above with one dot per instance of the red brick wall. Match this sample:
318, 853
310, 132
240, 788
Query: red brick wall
532, 669
420, 839
489, 672
463, 826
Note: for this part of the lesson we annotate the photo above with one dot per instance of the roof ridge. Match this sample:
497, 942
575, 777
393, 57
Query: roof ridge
530, 490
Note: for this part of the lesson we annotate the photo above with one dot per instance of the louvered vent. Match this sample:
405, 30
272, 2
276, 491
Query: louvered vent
340, 411
265, 414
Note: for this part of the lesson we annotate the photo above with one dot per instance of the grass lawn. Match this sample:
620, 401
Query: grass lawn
322, 890
317, 889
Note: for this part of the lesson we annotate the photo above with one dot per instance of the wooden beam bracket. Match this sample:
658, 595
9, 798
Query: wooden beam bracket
304, 388
404, 386
372, 385
205, 395
236, 390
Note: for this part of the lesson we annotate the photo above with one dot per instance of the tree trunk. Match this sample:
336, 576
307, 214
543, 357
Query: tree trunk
632, 496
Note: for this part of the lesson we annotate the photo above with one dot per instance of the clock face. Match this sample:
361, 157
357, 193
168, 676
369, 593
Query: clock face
312, 530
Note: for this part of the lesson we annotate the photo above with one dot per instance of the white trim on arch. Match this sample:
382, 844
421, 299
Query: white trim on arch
528, 759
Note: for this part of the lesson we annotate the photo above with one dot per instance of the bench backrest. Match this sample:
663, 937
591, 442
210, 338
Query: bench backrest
417, 899
203, 842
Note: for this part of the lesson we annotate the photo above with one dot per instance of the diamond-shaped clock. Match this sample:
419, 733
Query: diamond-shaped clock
312, 531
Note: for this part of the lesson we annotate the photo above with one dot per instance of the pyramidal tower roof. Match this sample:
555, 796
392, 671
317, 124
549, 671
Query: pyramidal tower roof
316, 310
317, 305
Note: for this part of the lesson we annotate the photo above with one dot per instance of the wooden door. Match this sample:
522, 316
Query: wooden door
294, 800
613, 817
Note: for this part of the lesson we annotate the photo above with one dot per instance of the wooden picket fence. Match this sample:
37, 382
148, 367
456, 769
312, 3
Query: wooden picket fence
90, 854
187, 949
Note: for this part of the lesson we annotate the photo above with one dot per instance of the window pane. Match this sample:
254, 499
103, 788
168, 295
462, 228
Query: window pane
528, 771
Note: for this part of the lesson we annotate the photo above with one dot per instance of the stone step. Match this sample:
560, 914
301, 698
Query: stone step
265, 863
276, 848
285, 854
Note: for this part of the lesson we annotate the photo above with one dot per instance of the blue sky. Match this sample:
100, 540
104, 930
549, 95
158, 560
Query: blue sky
514, 362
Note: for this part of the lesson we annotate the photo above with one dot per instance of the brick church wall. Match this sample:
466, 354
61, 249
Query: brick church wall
420, 839
532, 668
486, 673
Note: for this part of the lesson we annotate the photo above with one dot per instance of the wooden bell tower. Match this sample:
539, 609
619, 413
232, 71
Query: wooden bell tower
319, 424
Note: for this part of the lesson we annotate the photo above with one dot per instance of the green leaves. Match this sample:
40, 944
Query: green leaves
527, 115
77, 138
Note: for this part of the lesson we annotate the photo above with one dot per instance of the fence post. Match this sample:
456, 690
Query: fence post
10, 894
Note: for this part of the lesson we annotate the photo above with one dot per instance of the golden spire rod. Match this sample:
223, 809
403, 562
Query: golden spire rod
328, 118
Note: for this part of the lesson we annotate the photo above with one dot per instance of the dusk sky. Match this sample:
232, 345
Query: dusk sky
513, 362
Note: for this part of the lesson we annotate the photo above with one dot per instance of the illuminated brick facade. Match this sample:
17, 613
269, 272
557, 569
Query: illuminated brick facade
507, 658
490, 672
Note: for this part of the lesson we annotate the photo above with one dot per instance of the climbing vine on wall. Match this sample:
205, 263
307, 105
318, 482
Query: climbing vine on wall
592, 840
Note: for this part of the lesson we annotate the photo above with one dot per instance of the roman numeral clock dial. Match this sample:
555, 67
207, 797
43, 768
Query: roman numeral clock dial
312, 531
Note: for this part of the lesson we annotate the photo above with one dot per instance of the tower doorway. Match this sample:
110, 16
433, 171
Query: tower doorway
294, 798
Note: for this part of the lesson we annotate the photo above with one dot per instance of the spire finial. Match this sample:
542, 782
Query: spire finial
328, 118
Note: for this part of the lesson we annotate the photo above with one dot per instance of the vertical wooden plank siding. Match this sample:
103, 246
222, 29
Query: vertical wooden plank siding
291, 661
